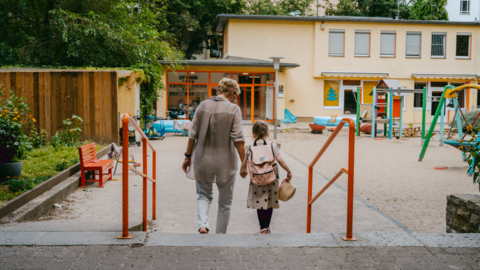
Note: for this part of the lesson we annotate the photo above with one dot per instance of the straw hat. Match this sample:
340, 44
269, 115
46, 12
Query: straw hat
286, 192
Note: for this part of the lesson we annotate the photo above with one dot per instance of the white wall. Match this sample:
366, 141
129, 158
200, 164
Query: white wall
453, 9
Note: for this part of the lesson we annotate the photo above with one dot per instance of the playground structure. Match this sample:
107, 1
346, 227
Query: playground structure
386, 90
350, 172
125, 168
450, 92
154, 131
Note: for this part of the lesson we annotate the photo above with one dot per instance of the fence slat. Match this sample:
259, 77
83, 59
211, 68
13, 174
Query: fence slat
55, 96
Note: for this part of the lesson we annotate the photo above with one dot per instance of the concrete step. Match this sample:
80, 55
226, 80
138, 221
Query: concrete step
239, 240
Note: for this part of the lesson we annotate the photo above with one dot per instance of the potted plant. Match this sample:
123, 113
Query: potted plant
16, 126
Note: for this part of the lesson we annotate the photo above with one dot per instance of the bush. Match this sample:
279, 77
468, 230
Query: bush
16, 128
470, 116
21, 185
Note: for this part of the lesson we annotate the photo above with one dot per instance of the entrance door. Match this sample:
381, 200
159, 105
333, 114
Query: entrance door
436, 89
245, 102
349, 100
397, 107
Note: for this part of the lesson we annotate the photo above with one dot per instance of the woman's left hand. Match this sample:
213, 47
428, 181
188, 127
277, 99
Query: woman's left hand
186, 164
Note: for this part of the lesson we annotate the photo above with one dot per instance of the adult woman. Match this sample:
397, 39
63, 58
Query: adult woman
216, 135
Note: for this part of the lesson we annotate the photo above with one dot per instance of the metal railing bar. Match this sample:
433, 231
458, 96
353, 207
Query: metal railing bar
327, 144
137, 127
327, 185
141, 174
350, 172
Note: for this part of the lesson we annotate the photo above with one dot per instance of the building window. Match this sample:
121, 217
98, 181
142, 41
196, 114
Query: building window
413, 44
336, 43
331, 94
465, 7
461, 95
438, 45
463, 45
362, 43
387, 44
418, 97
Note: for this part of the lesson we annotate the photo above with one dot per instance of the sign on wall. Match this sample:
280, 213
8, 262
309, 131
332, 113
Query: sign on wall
280, 91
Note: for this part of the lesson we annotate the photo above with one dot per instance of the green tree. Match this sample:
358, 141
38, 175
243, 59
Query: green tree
100, 33
429, 10
405, 9
190, 23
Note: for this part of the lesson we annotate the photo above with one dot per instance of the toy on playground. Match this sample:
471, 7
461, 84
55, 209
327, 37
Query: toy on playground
461, 144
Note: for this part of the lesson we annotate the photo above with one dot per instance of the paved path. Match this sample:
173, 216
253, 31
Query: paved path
100, 209
125, 257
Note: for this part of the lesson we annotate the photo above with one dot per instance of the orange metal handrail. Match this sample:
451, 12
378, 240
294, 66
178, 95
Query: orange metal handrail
350, 172
125, 168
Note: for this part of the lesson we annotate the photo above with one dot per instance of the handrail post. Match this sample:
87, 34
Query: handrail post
125, 234
154, 186
309, 206
145, 171
351, 174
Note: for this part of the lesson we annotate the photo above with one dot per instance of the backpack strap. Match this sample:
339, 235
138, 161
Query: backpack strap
273, 153
264, 142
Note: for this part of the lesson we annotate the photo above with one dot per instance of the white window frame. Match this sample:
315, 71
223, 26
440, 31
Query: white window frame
336, 31
419, 108
469, 46
395, 43
464, 98
419, 45
363, 32
340, 97
465, 12
444, 34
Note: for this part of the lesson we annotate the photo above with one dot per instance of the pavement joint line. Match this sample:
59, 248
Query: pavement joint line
396, 222
249, 240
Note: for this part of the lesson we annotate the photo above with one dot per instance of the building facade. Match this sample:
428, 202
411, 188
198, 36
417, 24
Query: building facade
326, 58
463, 10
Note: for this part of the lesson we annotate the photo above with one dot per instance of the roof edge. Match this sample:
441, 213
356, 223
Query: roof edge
222, 19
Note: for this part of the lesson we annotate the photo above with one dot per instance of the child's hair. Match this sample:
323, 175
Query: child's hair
259, 129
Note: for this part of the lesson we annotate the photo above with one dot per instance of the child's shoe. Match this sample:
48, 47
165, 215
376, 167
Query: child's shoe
268, 230
263, 231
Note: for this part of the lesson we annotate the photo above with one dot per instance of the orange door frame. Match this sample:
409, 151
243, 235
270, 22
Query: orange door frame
210, 85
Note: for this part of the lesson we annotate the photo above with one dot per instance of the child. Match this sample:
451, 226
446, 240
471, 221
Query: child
264, 198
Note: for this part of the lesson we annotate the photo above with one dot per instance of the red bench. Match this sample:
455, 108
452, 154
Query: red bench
89, 162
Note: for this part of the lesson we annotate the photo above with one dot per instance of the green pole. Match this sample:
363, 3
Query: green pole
374, 112
442, 117
432, 127
390, 116
359, 96
424, 112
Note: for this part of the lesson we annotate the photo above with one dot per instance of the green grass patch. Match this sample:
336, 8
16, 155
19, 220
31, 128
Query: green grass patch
42, 164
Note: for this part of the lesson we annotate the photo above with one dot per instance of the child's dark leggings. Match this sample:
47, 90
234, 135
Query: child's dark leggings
264, 217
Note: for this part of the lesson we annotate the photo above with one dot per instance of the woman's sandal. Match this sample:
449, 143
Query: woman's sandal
203, 230
268, 230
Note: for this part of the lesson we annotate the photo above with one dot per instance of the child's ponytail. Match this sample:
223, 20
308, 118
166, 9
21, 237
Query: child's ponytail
259, 129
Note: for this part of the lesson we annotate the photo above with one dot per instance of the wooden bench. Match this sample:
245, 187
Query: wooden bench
89, 162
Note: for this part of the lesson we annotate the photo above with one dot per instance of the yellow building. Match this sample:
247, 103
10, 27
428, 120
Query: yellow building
325, 59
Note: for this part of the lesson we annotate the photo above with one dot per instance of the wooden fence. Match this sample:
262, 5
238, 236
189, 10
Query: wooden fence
54, 96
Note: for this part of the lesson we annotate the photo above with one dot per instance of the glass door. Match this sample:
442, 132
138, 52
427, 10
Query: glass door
245, 102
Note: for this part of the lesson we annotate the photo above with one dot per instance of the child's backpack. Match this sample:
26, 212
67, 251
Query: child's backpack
262, 164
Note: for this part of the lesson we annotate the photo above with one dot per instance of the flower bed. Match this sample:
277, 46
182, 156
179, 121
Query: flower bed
42, 164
